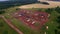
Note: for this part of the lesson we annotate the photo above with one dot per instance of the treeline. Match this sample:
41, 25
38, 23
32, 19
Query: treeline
49, 10
57, 31
7, 4
2, 11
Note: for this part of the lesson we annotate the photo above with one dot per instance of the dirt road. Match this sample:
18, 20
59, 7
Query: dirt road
12, 26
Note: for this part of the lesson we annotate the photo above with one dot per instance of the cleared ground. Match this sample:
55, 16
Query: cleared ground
52, 4
31, 17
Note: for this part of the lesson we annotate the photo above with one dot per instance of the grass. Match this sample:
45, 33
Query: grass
5, 29
24, 28
52, 24
36, 24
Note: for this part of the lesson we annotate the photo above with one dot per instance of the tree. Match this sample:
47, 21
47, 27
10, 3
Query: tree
49, 10
56, 31
1, 11
57, 9
58, 19
39, 9
17, 8
58, 27
1, 24
5, 32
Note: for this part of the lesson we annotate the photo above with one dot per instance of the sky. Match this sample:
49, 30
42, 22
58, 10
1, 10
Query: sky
13, 0
3, 0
